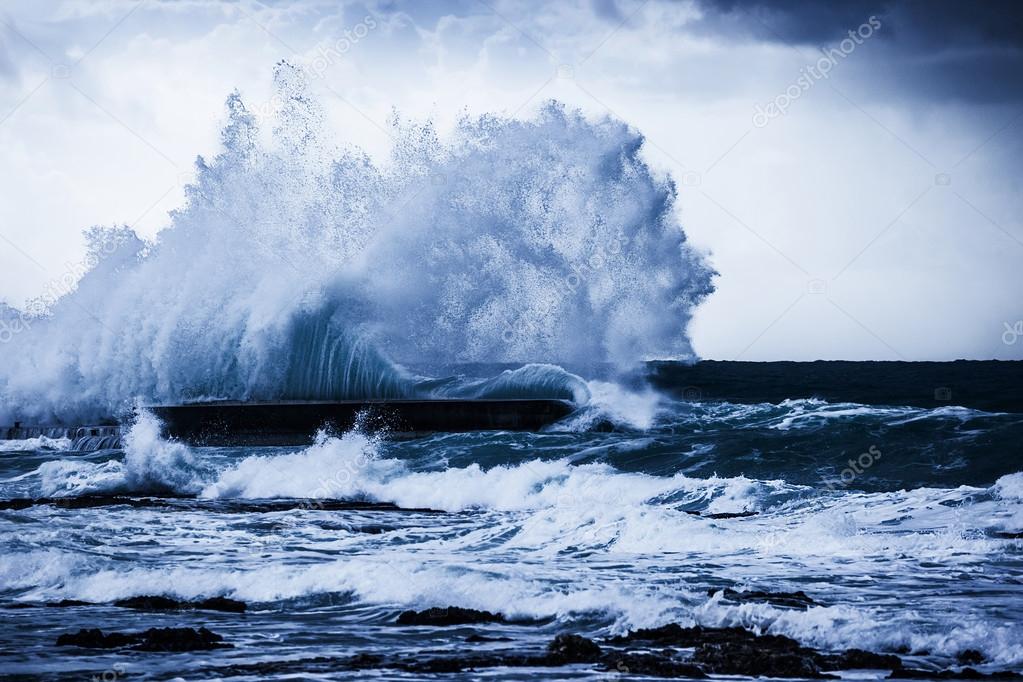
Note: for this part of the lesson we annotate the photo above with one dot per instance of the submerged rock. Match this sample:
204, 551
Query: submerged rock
715, 651
573, 649
451, 615
797, 599
970, 657
479, 639
964, 674
758, 657
153, 639
736, 651
95, 639
858, 659
723, 515
160, 603
651, 665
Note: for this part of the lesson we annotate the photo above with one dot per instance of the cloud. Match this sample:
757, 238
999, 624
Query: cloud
930, 49
917, 24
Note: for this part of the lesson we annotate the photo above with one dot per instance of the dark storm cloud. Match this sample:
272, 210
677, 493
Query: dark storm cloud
918, 24
935, 49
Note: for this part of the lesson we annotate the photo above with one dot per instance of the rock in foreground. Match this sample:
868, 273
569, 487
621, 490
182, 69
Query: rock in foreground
451, 615
153, 639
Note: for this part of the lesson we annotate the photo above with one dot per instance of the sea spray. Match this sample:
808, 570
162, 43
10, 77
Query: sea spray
299, 268
151, 465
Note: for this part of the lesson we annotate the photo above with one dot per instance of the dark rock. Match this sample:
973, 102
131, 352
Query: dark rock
452, 615
736, 651
63, 603
573, 649
95, 639
477, 639
674, 634
970, 657
723, 515
858, 659
53, 604
756, 659
364, 661
149, 603
731, 515
221, 604
964, 674
153, 639
448, 665
179, 639
789, 599
651, 665
159, 603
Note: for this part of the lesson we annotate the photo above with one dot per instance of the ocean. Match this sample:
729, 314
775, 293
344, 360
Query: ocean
902, 527
737, 519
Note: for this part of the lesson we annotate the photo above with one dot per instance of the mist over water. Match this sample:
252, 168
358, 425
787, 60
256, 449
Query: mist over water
301, 268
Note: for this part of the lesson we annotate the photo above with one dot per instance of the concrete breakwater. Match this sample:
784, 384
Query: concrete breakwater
83, 438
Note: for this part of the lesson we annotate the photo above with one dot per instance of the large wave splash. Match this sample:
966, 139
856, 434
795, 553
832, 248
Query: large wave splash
301, 269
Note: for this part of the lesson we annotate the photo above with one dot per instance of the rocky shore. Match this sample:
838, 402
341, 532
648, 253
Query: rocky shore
669, 651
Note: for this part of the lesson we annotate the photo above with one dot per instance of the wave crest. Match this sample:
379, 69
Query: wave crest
297, 269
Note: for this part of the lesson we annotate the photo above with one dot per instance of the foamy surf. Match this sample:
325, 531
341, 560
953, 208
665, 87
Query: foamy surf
150, 464
297, 269
567, 529
44, 443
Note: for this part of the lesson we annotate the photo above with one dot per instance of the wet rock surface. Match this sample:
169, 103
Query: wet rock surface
159, 603
735, 651
153, 639
962, 674
970, 657
723, 515
147, 603
669, 651
451, 615
798, 600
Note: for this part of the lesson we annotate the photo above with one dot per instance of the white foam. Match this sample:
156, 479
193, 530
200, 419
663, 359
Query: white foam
611, 402
250, 293
1009, 487
150, 464
34, 444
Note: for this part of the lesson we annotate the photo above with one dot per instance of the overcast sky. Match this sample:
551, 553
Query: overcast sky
877, 217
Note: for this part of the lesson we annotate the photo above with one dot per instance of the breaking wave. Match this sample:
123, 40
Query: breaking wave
301, 269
